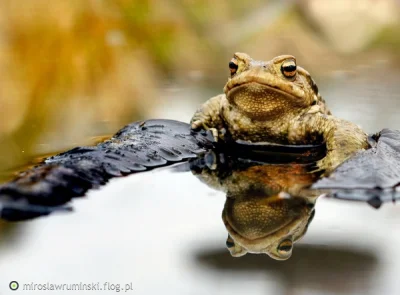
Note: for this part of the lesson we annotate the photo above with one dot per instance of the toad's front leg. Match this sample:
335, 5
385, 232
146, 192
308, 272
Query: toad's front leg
208, 117
343, 138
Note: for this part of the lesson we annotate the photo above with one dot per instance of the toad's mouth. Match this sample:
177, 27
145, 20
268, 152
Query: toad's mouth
231, 85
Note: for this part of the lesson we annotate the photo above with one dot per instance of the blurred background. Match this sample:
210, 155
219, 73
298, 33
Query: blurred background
73, 72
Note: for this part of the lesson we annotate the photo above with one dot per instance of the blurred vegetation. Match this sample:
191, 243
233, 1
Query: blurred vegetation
71, 70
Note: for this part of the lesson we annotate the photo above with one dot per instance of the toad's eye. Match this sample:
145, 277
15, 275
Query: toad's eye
233, 66
229, 242
288, 68
285, 247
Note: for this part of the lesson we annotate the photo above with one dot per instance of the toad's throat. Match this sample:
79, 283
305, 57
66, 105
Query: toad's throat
254, 234
263, 102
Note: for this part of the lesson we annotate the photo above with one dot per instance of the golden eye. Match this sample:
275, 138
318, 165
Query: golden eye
288, 68
285, 247
233, 66
230, 243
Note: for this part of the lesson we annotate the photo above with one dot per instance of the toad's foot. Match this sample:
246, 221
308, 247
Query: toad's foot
201, 125
208, 117
331, 161
327, 165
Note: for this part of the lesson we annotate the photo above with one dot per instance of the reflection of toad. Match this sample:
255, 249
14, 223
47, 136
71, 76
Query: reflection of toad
278, 101
267, 224
268, 206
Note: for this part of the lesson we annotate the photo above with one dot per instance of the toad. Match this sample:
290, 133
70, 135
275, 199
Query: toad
277, 101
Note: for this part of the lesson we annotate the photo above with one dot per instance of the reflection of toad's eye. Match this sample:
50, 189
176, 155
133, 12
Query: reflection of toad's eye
285, 247
233, 66
229, 242
288, 68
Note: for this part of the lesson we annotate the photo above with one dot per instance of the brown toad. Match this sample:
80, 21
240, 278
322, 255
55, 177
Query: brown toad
277, 101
